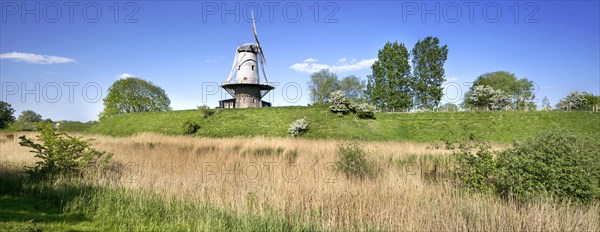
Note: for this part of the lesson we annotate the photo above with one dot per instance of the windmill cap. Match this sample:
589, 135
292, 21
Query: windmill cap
250, 47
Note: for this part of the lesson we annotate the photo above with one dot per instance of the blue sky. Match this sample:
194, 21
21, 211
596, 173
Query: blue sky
62, 64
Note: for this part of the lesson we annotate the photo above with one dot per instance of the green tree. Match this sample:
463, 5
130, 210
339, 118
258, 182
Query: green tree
389, 86
449, 107
576, 100
131, 95
6, 114
591, 101
353, 87
520, 90
30, 116
321, 84
546, 104
428, 59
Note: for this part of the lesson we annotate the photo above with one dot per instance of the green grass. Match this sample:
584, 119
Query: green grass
28, 206
27, 213
503, 127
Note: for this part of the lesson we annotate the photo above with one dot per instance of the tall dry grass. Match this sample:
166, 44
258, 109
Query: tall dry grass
295, 178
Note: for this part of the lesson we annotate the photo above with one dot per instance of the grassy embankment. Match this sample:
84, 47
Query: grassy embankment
501, 127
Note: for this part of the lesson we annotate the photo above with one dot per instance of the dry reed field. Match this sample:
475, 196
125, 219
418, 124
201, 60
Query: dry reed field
295, 179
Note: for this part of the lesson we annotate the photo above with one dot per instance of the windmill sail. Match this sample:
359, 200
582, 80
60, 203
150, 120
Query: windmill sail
231, 73
262, 56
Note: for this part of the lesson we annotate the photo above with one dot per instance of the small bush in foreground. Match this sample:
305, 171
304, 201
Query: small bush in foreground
61, 154
190, 127
556, 162
353, 162
298, 128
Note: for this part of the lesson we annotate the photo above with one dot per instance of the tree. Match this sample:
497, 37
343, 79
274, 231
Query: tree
131, 95
428, 60
520, 91
389, 86
6, 114
353, 87
321, 84
449, 107
591, 101
30, 116
546, 104
488, 97
576, 100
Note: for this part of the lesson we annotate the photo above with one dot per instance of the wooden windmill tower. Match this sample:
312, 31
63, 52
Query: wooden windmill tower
247, 89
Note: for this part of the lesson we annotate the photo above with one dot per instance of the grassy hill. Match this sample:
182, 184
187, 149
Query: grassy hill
501, 127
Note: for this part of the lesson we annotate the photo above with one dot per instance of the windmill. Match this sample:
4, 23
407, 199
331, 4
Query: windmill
247, 89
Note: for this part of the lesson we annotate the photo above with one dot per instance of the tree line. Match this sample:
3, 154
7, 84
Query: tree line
401, 80
394, 82
324, 82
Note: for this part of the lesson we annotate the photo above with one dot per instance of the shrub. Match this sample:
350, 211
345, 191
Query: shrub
364, 110
341, 105
353, 163
298, 128
339, 102
556, 162
62, 154
206, 111
190, 127
476, 166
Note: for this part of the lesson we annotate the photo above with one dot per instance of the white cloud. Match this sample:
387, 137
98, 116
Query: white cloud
452, 79
36, 58
125, 75
310, 66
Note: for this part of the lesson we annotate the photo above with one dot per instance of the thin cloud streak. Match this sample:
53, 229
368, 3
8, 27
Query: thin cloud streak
310, 65
36, 58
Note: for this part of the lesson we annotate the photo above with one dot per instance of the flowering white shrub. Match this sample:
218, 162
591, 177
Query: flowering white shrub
298, 127
492, 99
339, 102
364, 110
